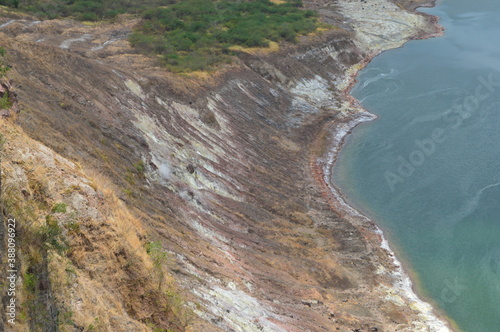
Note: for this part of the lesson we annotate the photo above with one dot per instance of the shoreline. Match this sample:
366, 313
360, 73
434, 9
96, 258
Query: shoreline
337, 134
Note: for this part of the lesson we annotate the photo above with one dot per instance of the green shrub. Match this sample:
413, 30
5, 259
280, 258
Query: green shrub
88, 17
3, 68
51, 235
139, 167
29, 282
10, 3
59, 208
5, 102
196, 34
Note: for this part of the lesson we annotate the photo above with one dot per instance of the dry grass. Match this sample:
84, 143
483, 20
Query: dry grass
129, 229
99, 181
320, 30
98, 266
198, 74
273, 47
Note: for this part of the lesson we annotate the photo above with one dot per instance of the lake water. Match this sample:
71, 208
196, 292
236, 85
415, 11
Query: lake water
428, 170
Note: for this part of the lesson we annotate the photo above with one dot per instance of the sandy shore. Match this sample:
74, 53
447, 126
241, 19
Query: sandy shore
338, 132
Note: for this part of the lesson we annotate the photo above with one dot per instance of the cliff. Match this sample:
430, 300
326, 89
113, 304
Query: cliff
194, 202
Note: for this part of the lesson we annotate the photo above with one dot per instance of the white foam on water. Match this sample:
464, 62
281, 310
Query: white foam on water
402, 284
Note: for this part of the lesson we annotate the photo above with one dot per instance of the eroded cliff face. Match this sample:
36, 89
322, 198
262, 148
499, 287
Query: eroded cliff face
224, 170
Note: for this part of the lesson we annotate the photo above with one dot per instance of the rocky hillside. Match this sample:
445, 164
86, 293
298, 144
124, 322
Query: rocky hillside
152, 201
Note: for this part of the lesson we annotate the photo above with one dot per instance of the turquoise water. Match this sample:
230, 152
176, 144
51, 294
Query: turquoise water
428, 170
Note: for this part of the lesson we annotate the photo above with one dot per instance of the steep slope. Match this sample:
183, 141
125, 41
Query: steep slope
221, 169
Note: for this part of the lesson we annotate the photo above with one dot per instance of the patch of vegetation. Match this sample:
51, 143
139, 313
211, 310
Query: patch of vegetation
66, 318
51, 235
168, 299
198, 34
130, 177
128, 192
29, 282
3, 68
96, 325
159, 256
137, 172
59, 208
5, 102
139, 167
73, 226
